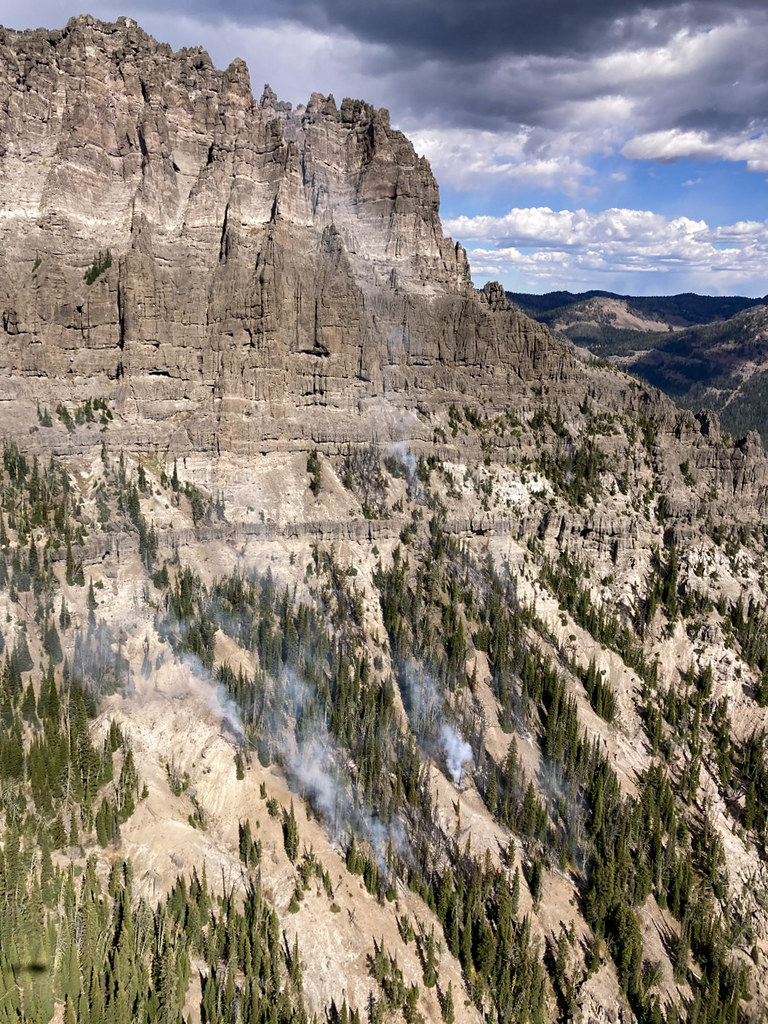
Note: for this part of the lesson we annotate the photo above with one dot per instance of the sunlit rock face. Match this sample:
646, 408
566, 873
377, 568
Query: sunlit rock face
234, 275
259, 259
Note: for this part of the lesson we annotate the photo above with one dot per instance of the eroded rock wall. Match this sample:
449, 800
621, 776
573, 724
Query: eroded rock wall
260, 256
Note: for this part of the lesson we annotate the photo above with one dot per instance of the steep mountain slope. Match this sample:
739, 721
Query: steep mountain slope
719, 366
368, 654
703, 351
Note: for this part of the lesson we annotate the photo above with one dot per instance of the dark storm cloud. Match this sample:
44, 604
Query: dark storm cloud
543, 64
713, 120
457, 31
535, 90
496, 63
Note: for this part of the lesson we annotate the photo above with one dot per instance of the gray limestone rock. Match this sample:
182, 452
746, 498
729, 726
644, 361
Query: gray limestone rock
242, 273
257, 254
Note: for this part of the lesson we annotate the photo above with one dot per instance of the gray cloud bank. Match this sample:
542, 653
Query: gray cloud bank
497, 64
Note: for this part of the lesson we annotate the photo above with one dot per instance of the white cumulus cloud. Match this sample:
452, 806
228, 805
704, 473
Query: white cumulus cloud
537, 248
675, 144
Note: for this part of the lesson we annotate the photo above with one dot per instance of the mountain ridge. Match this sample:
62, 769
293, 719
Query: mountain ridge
715, 362
681, 309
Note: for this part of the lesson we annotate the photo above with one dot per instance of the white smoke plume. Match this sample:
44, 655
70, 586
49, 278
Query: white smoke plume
302, 740
403, 453
184, 675
315, 763
309, 758
309, 762
457, 751
228, 711
566, 808
425, 708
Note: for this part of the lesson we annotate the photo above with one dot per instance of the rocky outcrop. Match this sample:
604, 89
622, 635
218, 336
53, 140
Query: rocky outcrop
260, 259
237, 276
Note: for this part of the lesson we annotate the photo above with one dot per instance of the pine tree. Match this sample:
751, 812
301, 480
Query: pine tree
70, 1017
52, 644
29, 705
70, 564
446, 1006
290, 834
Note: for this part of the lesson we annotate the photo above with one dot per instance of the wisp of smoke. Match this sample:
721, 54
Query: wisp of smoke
310, 764
423, 703
566, 809
424, 706
403, 453
457, 751
314, 761
186, 675
229, 712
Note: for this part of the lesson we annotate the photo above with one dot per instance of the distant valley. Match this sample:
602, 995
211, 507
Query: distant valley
704, 351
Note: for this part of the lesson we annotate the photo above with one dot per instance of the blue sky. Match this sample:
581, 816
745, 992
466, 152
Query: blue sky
600, 144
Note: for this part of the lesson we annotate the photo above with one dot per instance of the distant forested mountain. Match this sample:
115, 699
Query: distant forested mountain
704, 351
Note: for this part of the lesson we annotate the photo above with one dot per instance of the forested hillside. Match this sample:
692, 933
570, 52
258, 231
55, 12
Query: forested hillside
706, 352
396, 687
367, 653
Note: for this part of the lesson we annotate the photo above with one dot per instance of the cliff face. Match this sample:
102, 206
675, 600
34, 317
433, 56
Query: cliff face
261, 259
250, 276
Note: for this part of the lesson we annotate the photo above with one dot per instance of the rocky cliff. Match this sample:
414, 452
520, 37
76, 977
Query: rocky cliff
247, 275
260, 259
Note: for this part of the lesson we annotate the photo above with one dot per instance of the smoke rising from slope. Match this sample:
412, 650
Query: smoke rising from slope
309, 757
315, 762
424, 706
184, 676
457, 751
291, 727
403, 453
